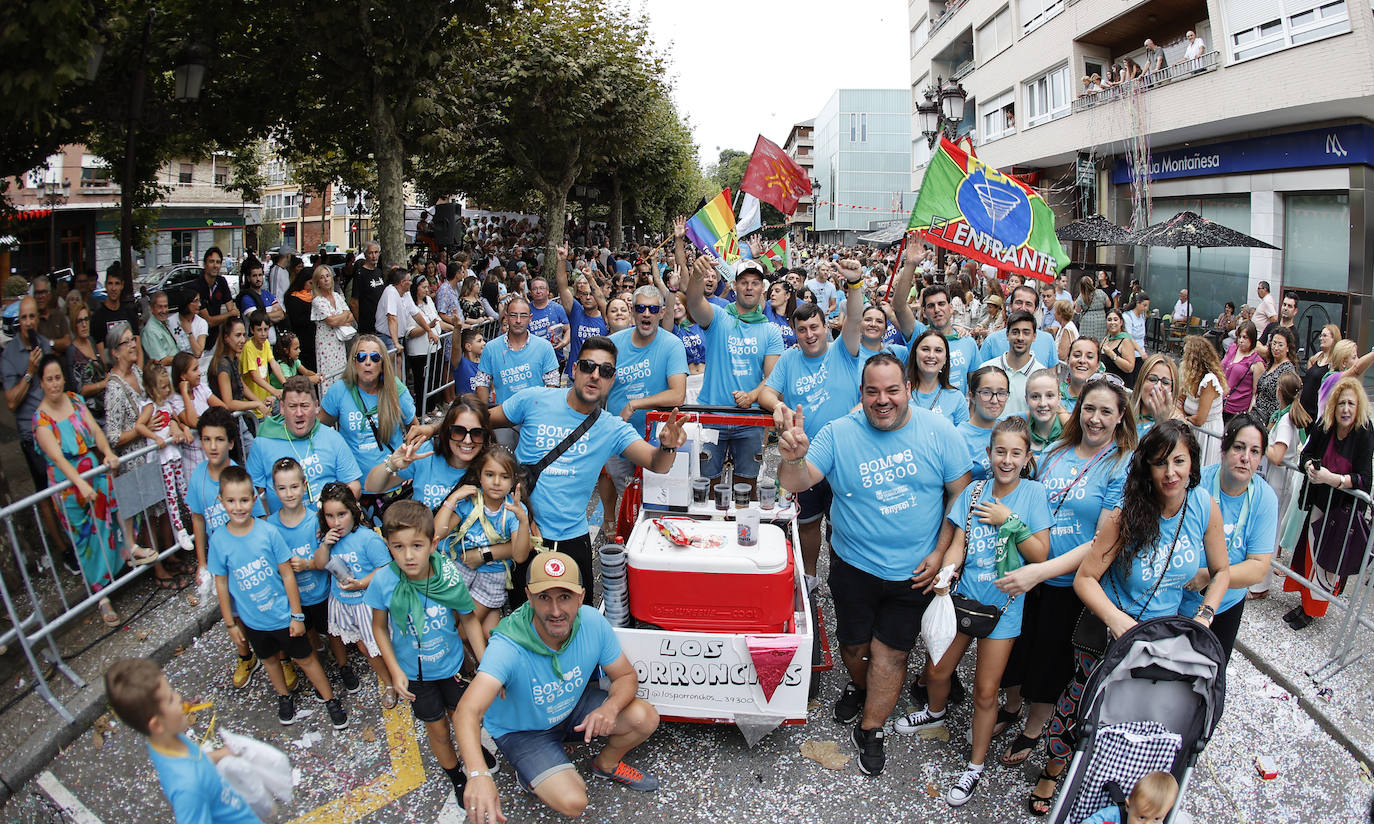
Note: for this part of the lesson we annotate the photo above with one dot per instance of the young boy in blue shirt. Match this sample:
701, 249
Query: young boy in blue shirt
252, 567
414, 600
142, 698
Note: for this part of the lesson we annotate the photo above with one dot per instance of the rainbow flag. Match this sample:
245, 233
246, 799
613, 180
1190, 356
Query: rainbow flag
712, 230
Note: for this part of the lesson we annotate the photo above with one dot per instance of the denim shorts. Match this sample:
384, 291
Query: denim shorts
538, 754
744, 443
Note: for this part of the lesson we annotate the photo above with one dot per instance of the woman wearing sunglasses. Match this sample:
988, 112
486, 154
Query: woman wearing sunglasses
371, 407
438, 467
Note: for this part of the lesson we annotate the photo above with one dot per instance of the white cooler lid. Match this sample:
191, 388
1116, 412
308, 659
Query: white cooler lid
647, 549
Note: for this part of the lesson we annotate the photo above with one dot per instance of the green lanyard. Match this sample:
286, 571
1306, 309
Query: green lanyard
1245, 505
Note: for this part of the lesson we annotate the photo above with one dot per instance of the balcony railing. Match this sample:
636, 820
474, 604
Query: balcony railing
950, 8
1153, 80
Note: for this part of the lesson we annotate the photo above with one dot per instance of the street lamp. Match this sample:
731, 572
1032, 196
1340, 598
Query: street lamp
815, 204
356, 201
942, 111
190, 73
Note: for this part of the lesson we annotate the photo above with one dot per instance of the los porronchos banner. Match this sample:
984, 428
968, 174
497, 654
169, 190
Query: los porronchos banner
974, 210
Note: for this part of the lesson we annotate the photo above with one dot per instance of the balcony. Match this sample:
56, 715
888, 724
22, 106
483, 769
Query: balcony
952, 6
1208, 62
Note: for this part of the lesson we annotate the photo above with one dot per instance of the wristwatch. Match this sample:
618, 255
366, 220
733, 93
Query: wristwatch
1206, 612
487, 557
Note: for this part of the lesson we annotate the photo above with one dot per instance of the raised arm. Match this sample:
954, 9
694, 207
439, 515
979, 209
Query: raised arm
560, 273
901, 307
698, 307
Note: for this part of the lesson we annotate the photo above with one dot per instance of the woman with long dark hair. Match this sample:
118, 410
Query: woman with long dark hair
779, 307
928, 371
298, 300
1119, 352
1242, 366
1140, 560
1280, 359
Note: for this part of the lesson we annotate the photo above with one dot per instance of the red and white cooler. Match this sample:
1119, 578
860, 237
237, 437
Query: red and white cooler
713, 586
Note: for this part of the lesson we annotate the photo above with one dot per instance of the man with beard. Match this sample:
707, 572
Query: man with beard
894, 469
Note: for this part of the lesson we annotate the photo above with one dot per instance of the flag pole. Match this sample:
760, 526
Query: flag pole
892, 277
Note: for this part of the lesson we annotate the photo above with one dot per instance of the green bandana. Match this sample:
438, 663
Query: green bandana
1120, 336
518, 627
444, 586
1009, 537
752, 316
274, 428
1056, 431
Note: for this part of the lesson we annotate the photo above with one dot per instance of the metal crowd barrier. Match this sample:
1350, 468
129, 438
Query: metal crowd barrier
1354, 599
437, 377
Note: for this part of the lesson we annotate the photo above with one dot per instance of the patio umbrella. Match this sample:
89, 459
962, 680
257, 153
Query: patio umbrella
1095, 229
1188, 229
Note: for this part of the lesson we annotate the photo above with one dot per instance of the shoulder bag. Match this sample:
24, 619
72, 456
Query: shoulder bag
974, 618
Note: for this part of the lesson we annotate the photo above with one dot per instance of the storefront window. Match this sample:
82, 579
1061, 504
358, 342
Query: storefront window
1316, 242
1218, 275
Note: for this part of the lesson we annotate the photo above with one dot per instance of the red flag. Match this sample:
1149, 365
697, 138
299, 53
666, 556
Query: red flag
772, 655
775, 178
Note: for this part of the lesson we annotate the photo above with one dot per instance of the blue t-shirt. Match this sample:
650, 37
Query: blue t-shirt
963, 361
898, 351
1106, 815
976, 441
202, 498
995, 345
302, 539
948, 402
560, 498
364, 551
826, 386
1131, 591
542, 321
735, 353
720, 301
581, 327
789, 335
643, 371
1257, 536
889, 488
195, 790
339, 403
693, 340
893, 335
535, 698
325, 456
463, 376
1076, 510
504, 523
434, 478
512, 371
1027, 500
250, 563
436, 651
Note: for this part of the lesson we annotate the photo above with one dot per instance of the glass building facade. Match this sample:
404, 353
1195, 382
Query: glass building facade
863, 145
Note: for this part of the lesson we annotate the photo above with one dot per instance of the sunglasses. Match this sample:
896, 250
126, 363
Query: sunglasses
587, 367
364, 357
461, 433
641, 308
1108, 377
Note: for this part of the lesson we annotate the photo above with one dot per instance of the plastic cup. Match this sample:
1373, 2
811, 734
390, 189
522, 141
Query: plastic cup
701, 490
742, 495
768, 493
747, 523
722, 497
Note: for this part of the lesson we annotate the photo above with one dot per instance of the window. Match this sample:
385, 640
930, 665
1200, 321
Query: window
920, 152
853, 127
1047, 96
95, 177
221, 178
184, 177
993, 37
1035, 13
997, 118
183, 246
863, 127
920, 33
1259, 27
918, 91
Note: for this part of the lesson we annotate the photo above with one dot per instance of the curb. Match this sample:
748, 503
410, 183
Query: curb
46, 741
1324, 721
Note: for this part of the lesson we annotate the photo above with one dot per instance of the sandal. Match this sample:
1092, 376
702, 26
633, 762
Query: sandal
108, 614
1005, 718
142, 556
1035, 802
173, 583
1019, 750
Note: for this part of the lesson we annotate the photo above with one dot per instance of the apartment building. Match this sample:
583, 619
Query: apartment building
861, 162
1263, 121
800, 146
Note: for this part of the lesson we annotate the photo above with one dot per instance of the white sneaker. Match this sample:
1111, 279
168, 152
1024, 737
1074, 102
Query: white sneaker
919, 721
184, 540
962, 790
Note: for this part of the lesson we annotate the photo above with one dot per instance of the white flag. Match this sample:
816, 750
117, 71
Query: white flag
749, 220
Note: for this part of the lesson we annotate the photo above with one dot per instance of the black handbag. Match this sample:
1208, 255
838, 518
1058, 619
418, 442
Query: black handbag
974, 618
1090, 634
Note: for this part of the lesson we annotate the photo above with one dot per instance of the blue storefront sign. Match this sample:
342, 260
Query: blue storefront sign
1334, 146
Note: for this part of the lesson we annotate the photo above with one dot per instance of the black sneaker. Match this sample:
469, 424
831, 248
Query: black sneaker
337, 717
489, 757
286, 710
70, 563
870, 746
350, 679
851, 704
920, 696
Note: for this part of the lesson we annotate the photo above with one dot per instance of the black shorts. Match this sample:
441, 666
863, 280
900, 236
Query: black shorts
36, 463
317, 617
1042, 660
267, 643
436, 699
868, 607
814, 503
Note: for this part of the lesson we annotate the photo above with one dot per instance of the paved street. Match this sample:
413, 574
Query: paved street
380, 771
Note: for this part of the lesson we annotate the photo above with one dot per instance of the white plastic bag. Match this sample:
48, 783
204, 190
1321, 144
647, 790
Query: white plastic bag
938, 624
243, 779
205, 586
264, 769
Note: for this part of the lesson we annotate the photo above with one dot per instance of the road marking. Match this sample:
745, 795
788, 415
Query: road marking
406, 775
63, 797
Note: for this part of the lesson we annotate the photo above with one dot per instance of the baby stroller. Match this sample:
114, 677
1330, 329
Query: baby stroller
1151, 704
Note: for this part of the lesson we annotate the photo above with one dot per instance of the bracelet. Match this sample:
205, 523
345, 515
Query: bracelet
479, 773
795, 461
387, 463
298, 616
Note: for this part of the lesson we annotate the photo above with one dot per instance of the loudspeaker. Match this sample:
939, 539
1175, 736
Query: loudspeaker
445, 224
